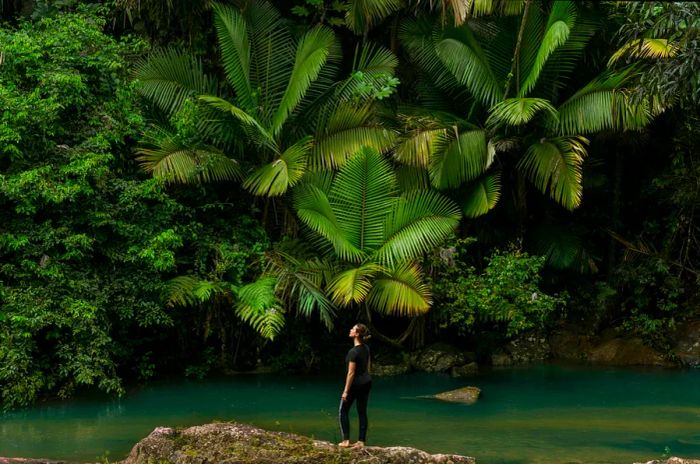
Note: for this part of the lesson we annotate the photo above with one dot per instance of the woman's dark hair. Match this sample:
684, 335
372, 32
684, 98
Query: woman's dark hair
362, 332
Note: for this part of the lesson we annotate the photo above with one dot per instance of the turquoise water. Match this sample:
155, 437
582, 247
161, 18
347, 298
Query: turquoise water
545, 414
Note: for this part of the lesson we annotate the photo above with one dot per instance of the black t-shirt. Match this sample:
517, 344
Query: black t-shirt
360, 356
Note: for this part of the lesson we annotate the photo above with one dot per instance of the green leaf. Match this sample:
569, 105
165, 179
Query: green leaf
311, 55
519, 111
554, 166
345, 131
362, 193
314, 210
645, 48
482, 195
231, 29
169, 159
259, 306
461, 53
418, 222
461, 159
250, 121
603, 104
561, 21
276, 178
362, 15
353, 285
401, 292
168, 77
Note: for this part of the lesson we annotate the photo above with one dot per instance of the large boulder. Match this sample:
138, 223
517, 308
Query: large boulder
244, 444
525, 349
383, 370
468, 370
687, 348
570, 346
464, 395
440, 357
626, 352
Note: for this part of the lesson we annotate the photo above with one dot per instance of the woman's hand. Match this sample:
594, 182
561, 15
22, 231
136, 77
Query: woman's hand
344, 396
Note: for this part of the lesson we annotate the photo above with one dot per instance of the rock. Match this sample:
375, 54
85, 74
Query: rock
672, 460
468, 370
529, 348
390, 369
440, 357
464, 395
570, 346
245, 444
626, 352
500, 358
525, 349
687, 348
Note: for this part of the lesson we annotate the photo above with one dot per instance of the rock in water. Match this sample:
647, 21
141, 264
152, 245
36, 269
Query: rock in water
244, 444
672, 460
465, 395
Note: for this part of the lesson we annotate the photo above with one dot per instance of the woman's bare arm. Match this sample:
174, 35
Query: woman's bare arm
348, 379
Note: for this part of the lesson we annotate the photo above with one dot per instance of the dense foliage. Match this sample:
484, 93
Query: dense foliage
182, 183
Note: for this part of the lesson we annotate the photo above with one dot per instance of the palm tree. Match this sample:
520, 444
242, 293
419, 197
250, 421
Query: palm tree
368, 238
287, 113
509, 79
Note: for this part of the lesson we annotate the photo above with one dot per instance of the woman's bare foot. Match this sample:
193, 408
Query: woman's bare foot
344, 444
359, 444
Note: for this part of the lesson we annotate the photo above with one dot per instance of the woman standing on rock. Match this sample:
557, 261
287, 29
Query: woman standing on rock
358, 383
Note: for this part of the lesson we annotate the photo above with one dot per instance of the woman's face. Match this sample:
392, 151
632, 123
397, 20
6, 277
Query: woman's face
353, 332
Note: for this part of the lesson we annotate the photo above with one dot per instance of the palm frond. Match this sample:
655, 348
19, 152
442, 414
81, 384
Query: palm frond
311, 55
401, 292
417, 148
259, 306
272, 56
190, 291
482, 195
374, 64
563, 61
518, 111
603, 104
161, 154
232, 32
301, 282
460, 160
264, 137
418, 222
417, 35
168, 77
554, 166
362, 15
362, 193
353, 285
344, 132
277, 177
562, 18
411, 178
315, 211
461, 53
645, 48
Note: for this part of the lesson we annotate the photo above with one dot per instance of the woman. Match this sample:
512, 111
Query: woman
357, 386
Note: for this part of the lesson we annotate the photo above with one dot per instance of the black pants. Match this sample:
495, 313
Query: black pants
361, 394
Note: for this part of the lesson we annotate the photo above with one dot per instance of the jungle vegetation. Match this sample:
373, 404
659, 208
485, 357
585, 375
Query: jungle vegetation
188, 187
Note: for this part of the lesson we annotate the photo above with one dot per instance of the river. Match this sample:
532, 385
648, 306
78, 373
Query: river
534, 415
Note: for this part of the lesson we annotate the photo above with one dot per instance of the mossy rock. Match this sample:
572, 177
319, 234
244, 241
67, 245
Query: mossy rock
245, 444
464, 395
